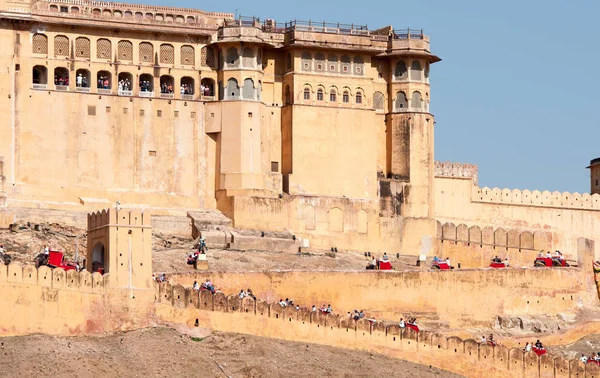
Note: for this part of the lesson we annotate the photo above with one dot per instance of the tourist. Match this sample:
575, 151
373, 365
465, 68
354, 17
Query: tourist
329, 309
448, 262
505, 262
385, 256
282, 303
209, 286
373, 264
196, 286
46, 250
249, 293
548, 255
79, 80
527, 347
584, 358
538, 345
2, 248
402, 324
314, 309
483, 340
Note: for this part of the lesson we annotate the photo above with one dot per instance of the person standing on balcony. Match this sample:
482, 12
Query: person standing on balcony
79, 80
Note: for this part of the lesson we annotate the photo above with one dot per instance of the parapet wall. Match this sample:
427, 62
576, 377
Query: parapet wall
467, 357
457, 170
53, 301
564, 216
458, 298
474, 247
525, 197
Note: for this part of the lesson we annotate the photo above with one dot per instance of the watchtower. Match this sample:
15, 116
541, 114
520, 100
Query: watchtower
594, 176
119, 243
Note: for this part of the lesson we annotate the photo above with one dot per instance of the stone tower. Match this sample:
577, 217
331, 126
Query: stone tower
410, 131
119, 243
594, 176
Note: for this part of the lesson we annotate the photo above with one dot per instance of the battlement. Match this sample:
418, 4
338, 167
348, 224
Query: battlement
127, 13
536, 198
113, 217
457, 170
56, 278
469, 357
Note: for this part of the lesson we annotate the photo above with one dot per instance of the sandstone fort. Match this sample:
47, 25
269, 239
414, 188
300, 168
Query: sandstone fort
318, 134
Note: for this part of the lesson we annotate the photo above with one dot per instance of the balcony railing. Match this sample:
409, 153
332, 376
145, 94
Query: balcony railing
82, 89
123, 92
40, 86
104, 91
165, 95
146, 94
61, 87
208, 98
187, 97
408, 34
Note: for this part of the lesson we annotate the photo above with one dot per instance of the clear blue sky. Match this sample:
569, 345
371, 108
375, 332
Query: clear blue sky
516, 91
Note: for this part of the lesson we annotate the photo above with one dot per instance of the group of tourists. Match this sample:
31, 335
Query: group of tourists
104, 83
61, 80
557, 255
201, 250
537, 347
595, 357
81, 81
498, 260
124, 85
488, 340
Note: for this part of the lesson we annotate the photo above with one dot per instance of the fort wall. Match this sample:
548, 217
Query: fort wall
58, 302
566, 216
449, 294
219, 312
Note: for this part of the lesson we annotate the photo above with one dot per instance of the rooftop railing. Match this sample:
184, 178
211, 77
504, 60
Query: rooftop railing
408, 34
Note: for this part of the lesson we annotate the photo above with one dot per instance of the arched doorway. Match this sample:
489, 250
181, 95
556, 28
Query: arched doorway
186, 88
82, 81
61, 79
125, 84
40, 77
99, 263
104, 82
207, 89
167, 89
146, 85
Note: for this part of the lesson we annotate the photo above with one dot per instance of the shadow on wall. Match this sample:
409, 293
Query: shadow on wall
462, 355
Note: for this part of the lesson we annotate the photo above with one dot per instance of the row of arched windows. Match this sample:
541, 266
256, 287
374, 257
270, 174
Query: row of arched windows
106, 12
248, 91
248, 57
104, 50
125, 85
415, 73
331, 63
416, 103
332, 95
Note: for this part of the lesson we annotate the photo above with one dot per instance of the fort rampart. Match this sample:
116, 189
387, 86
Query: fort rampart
473, 296
54, 301
564, 216
468, 357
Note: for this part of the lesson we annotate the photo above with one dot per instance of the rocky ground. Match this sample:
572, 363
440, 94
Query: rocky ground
162, 352
170, 252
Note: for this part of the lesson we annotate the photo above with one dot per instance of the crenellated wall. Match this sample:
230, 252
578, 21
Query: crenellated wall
474, 247
460, 297
54, 301
457, 170
563, 216
467, 357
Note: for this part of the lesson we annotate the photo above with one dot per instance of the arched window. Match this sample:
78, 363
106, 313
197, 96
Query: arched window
232, 92
186, 88
103, 82
167, 54
128, 14
378, 101
416, 72
332, 63
306, 61
61, 78
332, 95
74, 9
207, 88
319, 94
139, 15
359, 65
125, 84
346, 65
40, 77
188, 56
53, 8
190, 19
107, 13
160, 17
232, 57
103, 49
359, 97
149, 16
125, 51
306, 93
167, 86
96, 12
288, 61
39, 44
416, 101
146, 85
400, 73
401, 103
211, 59
82, 47
288, 95
146, 52
82, 80
117, 13
248, 92
320, 62
346, 97
61, 46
